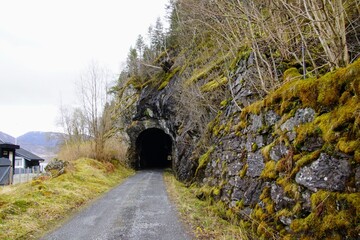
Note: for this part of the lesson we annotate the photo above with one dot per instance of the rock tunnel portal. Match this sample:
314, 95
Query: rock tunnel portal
153, 148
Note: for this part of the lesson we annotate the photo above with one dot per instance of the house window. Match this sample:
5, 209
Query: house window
18, 162
5, 153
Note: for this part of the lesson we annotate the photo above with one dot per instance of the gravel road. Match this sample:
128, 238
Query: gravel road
139, 208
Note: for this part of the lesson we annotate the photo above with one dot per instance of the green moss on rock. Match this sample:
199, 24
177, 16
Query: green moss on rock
204, 159
291, 74
212, 85
269, 171
331, 213
168, 77
334, 98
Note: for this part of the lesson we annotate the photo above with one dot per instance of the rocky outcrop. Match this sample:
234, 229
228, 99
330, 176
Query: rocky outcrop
326, 172
291, 169
156, 109
288, 164
56, 167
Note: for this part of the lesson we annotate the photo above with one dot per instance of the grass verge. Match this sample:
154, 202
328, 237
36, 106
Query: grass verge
201, 216
29, 210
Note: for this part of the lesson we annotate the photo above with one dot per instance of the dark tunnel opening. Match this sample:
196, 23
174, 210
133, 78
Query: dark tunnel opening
154, 148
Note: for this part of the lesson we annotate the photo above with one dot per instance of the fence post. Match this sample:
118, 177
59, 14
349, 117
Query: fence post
11, 174
20, 169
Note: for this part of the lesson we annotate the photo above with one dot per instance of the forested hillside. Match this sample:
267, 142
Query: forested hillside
206, 39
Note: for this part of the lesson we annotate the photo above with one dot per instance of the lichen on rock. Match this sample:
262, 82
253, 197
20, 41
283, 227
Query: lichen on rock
327, 173
56, 167
301, 116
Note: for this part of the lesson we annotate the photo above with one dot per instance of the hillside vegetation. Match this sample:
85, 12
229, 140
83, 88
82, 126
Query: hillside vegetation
28, 210
200, 50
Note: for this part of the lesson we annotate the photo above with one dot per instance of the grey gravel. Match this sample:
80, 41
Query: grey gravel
137, 209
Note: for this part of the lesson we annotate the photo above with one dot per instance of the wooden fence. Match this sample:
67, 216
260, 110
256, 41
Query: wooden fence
26, 174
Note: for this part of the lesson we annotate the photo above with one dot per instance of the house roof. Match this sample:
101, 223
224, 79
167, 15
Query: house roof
20, 152
27, 155
8, 145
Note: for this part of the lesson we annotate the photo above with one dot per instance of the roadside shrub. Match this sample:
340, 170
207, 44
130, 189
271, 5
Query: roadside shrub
76, 150
114, 149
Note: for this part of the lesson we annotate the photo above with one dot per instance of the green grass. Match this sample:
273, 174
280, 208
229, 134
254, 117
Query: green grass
29, 210
202, 217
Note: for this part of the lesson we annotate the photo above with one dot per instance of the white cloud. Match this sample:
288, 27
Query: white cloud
46, 44
40, 118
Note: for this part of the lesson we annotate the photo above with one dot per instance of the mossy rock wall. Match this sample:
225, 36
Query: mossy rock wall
288, 166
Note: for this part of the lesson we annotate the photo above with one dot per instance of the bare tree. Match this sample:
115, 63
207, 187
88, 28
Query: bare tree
93, 93
73, 122
313, 34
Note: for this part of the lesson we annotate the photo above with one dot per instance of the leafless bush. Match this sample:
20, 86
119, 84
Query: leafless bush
76, 150
311, 34
114, 149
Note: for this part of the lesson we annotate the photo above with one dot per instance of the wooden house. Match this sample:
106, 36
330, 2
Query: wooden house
8, 150
25, 159
7, 157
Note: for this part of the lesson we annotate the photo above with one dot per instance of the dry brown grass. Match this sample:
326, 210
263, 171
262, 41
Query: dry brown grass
73, 151
114, 148
200, 216
30, 209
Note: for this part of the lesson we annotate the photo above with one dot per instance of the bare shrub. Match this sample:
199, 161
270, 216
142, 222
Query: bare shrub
76, 150
115, 149
313, 35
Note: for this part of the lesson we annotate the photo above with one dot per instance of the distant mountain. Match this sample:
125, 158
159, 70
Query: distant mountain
43, 144
46, 139
6, 137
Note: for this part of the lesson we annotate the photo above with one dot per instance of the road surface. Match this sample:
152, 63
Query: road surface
137, 209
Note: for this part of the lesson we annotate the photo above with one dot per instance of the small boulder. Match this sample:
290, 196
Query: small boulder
56, 167
278, 151
326, 172
271, 118
255, 163
301, 116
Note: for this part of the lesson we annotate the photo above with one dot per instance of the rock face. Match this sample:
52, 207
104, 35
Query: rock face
325, 173
285, 166
155, 109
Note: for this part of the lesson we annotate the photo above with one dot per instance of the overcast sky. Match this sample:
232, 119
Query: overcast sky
46, 44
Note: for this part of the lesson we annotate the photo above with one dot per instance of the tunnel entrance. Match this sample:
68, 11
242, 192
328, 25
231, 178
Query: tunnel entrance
153, 147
